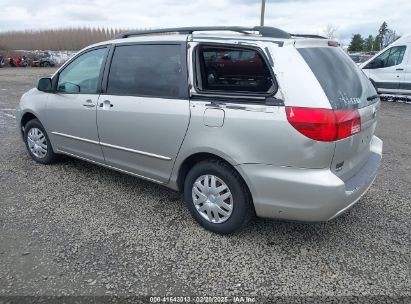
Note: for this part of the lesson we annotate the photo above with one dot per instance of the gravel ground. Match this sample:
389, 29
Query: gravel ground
77, 229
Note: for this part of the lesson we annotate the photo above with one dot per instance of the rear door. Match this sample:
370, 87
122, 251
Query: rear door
143, 114
347, 88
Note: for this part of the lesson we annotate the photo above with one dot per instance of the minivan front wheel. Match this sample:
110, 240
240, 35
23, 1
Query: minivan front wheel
37, 142
217, 197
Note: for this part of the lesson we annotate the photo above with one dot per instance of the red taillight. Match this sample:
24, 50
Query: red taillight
318, 124
324, 124
348, 123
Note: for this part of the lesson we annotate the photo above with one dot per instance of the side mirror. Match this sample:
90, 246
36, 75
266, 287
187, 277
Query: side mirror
375, 64
378, 63
226, 57
45, 85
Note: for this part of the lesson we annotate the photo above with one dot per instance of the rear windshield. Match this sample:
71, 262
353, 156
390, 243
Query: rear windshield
345, 85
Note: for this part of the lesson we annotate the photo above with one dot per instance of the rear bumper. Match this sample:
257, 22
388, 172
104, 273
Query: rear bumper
308, 194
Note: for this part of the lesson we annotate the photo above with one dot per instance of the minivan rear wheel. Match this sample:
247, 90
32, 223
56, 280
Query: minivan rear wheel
217, 197
38, 143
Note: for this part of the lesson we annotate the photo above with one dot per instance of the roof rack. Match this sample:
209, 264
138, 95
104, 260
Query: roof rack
265, 31
308, 36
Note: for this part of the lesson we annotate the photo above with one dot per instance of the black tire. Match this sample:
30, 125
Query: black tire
242, 210
50, 157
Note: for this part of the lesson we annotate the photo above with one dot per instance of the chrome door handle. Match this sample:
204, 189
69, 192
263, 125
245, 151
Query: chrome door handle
399, 69
89, 103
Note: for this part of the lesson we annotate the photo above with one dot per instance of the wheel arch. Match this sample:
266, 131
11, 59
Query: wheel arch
25, 118
195, 158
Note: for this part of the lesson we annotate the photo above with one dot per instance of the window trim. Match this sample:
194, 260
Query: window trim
56, 77
252, 96
183, 87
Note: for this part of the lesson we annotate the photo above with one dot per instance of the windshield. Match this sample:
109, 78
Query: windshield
345, 85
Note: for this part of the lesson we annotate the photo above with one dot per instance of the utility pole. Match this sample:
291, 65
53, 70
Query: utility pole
262, 12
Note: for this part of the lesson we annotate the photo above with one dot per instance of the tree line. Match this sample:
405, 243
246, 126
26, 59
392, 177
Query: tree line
384, 37
55, 39
76, 38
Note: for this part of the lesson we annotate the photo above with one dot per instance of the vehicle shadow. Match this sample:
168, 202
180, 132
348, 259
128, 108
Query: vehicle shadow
270, 231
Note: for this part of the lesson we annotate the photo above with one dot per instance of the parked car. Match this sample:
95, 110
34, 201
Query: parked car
18, 61
11, 62
44, 62
359, 58
23, 61
298, 146
390, 69
2, 63
235, 67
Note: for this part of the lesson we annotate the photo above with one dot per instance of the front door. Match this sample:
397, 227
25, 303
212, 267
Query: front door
144, 114
71, 111
405, 79
387, 69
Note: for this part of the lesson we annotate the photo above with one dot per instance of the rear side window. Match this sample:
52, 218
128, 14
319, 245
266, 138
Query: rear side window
227, 70
148, 70
345, 85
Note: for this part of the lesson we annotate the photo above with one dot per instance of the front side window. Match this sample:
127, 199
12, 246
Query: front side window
396, 56
391, 57
232, 69
147, 70
82, 74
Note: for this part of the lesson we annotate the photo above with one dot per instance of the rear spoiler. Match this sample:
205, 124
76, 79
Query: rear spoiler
308, 36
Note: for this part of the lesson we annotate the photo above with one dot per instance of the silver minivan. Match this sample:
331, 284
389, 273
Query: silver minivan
243, 121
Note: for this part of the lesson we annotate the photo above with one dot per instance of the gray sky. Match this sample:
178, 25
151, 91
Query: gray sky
296, 16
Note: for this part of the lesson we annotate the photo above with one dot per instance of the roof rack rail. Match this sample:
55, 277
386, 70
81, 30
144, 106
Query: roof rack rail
265, 31
308, 36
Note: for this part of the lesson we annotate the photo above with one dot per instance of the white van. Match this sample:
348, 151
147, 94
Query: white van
390, 69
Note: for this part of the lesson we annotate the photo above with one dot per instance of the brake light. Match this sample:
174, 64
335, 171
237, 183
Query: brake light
324, 124
333, 43
348, 123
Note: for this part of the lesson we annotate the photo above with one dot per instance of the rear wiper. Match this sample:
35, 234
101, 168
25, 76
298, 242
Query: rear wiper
372, 97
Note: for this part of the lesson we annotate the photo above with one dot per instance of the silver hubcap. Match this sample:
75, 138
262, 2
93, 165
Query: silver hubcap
212, 198
37, 142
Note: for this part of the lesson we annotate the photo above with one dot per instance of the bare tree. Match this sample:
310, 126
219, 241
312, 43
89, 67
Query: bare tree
330, 31
388, 38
